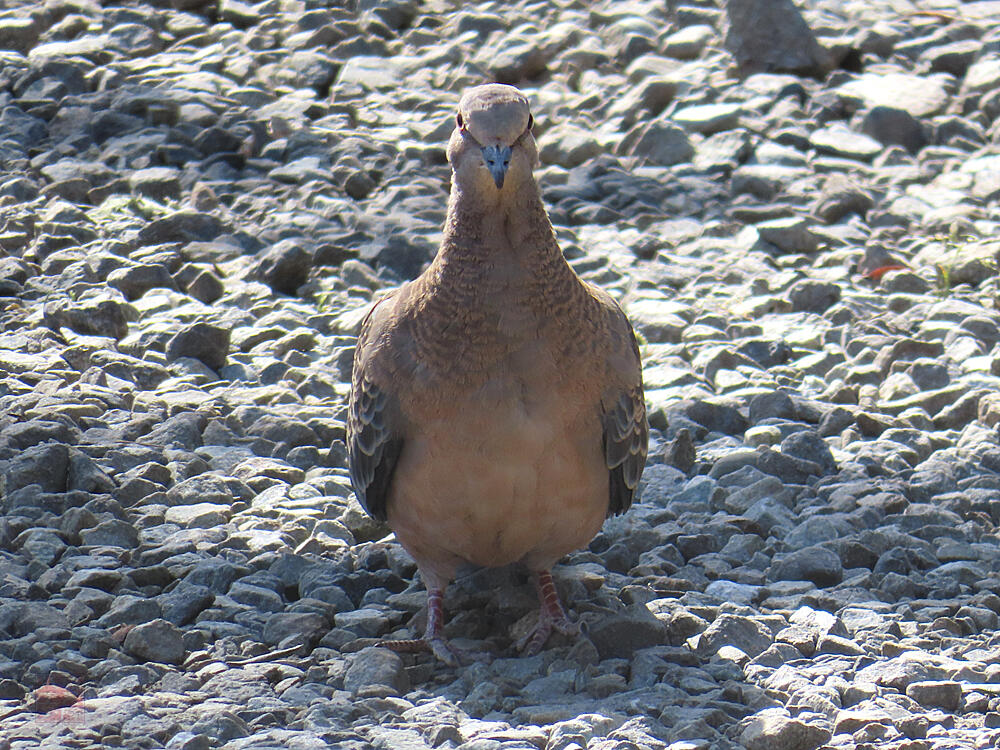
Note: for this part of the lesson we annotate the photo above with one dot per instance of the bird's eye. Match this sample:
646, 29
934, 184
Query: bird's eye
531, 121
458, 120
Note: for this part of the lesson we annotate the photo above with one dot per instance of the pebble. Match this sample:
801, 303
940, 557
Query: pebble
157, 640
795, 207
775, 730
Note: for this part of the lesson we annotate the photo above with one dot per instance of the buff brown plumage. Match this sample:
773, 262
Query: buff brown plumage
496, 412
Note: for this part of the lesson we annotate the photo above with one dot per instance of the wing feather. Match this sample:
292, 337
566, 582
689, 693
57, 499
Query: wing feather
626, 430
626, 439
373, 440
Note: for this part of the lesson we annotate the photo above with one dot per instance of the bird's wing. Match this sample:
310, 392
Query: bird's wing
374, 442
626, 431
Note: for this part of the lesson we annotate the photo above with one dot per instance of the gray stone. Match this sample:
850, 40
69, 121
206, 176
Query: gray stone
205, 287
738, 593
376, 669
791, 235
515, 61
208, 488
749, 636
203, 341
921, 96
835, 644
158, 183
772, 35
128, 609
817, 564
789, 469
45, 465
943, 694
774, 729
85, 474
304, 627
776, 404
712, 415
111, 533
258, 597
281, 429
620, 635
808, 445
185, 602
769, 515
708, 119
41, 545
221, 727
20, 34
840, 197
392, 738
983, 75
838, 140
103, 317
894, 126
689, 42
658, 142
181, 226
135, 281
813, 296
901, 671
24, 618
198, 516
158, 641
680, 452
954, 58
186, 740
284, 267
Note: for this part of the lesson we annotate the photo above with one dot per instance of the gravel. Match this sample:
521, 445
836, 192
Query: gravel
798, 208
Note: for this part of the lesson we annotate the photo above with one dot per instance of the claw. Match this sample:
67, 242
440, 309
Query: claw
531, 642
433, 641
436, 645
551, 617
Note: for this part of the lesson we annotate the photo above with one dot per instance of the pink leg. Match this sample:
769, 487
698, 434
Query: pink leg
551, 616
433, 640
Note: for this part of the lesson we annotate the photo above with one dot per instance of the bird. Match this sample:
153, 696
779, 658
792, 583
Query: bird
496, 413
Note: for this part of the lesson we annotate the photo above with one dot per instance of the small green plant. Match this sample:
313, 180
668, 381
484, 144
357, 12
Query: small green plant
145, 207
324, 301
955, 242
943, 273
643, 344
996, 281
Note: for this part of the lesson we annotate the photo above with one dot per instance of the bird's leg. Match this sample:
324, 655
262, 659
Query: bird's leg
433, 639
551, 616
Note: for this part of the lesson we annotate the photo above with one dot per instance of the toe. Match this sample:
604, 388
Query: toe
408, 646
532, 641
567, 628
443, 651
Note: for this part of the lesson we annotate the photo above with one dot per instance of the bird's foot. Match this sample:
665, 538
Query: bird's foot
437, 645
551, 617
433, 640
442, 649
531, 642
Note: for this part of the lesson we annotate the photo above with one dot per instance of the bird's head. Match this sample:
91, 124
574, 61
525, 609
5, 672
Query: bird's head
492, 145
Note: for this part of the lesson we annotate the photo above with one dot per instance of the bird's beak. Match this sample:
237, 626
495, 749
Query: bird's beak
497, 159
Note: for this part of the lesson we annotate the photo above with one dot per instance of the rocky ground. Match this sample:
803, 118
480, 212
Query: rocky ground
198, 201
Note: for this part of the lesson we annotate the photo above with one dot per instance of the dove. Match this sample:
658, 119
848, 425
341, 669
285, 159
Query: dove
496, 413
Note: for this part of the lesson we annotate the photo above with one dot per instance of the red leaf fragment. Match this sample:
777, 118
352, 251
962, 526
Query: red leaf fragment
876, 274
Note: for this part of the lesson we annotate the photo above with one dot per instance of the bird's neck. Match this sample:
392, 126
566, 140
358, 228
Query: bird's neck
510, 227
496, 278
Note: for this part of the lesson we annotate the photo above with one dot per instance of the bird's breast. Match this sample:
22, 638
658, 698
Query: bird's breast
511, 470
